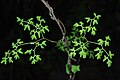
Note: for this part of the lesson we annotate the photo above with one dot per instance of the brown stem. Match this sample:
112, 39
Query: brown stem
63, 31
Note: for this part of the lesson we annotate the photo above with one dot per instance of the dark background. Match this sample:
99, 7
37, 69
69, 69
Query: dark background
52, 66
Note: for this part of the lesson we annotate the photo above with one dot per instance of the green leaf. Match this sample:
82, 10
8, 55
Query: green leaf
38, 32
105, 58
31, 58
29, 20
100, 41
38, 18
88, 19
109, 62
76, 25
7, 53
43, 31
18, 40
75, 68
18, 19
32, 32
38, 57
91, 56
41, 46
37, 25
95, 22
25, 27
10, 60
42, 20
4, 60
106, 43
20, 51
75, 43
83, 54
110, 55
33, 61
108, 38
88, 28
14, 52
95, 14
81, 31
72, 54
98, 55
81, 23
67, 69
33, 37
44, 43
98, 16
93, 32
97, 49
46, 28
16, 56
14, 45
28, 51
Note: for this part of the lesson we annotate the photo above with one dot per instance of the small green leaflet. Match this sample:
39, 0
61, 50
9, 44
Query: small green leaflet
94, 14
33, 37
44, 43
20, 51
97, 49
106, 43
93, 30
105, 58
19, 41
38, 18
83, 54
16, 56
28, 51
98, 55
110, 55
10, 59
18, 19
30, 21
88, 28
98, 16
33, 61
75, 68
26, 27
76, 25
67, 69
75, 43
91, 56
81, 23
14, 45
95, 22
38, 58
46, 28
38, 32
109, 62
100, 41
4, 60
108, 38
88, 19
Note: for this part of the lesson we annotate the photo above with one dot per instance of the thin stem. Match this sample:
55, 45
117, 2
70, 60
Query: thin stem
63, 31
53, 17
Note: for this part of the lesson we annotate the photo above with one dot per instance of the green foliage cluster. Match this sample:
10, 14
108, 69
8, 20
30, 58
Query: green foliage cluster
80, 45
37, 32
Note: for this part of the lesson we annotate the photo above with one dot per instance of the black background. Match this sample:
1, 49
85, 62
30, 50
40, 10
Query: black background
52, 66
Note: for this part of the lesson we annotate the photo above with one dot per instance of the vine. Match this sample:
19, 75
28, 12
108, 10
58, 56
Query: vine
75, 44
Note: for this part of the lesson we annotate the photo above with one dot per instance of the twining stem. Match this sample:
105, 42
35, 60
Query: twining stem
63, 31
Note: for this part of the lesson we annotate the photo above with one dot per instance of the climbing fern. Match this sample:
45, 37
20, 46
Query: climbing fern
78, 43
